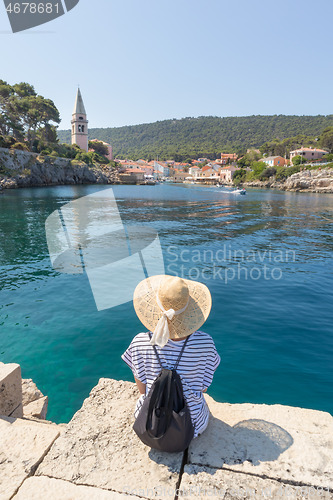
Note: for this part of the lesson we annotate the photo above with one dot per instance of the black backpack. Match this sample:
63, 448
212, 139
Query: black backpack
164, 421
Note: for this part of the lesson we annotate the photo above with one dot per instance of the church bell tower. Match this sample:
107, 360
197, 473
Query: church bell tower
80, 123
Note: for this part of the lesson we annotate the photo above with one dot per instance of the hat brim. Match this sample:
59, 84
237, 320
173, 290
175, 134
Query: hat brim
183, 324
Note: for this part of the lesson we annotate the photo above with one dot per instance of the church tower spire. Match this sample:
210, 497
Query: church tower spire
80, 123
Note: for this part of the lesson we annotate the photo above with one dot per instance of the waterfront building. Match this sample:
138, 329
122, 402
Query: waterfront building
80, 123
274, 161
164, 170
194, 171
227, 158
227, 174
308, 153
179, 175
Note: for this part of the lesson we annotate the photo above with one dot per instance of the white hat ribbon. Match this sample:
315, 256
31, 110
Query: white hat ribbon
161, 333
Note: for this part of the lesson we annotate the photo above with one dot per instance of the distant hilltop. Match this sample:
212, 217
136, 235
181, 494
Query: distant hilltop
205, 136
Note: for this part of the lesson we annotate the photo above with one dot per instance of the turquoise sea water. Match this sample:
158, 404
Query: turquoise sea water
266, 257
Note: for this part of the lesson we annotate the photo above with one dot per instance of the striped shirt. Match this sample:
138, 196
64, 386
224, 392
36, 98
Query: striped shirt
196, 369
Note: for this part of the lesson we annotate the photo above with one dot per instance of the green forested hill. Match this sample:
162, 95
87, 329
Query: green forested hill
205, 136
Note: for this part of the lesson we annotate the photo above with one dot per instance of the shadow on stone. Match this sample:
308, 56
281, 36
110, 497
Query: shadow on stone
171, 460
251, 440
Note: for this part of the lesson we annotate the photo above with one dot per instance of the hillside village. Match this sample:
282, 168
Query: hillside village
205, 171
255, 164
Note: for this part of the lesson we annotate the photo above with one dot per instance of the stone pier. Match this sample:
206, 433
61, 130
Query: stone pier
247, 452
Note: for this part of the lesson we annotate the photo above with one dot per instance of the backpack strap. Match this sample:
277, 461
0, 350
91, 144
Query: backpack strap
154, 347
179, 356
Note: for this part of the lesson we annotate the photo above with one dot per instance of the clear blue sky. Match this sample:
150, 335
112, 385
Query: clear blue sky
140, 61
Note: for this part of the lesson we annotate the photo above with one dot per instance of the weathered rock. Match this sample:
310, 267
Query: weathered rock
311, 180
324, 182
30, 391
10, 389
41, 488
315, 181
204, 482
24, 169
23, 444
8, 184
37, 408
99, 447
274, 441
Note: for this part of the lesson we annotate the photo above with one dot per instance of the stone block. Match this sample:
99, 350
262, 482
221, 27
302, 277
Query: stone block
279, 442
10, 388
37, 408
99, 447
18, 412
30, 391
23, 444
41, 488
201, 483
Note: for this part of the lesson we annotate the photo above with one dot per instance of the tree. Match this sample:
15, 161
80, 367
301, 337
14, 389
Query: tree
268, 172
24, 113
48, 134
326, 139
299, 160
99, 147
258, 167
90, 157
9, 112
281, 173
37, 112
239, 174
249, 158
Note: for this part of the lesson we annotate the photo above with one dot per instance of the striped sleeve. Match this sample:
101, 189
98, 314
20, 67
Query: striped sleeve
212, 362
133, 358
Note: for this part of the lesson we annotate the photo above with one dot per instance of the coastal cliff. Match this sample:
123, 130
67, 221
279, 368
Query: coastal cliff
313, 181
24, 169
248, 451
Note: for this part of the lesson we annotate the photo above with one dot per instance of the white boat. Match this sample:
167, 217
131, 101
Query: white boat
239, 191
149, 180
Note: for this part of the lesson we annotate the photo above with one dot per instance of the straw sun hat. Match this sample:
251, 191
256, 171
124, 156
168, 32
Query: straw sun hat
171, 307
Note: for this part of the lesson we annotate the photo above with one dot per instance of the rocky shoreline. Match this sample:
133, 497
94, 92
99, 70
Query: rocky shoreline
306, 181
248, 451
23, 169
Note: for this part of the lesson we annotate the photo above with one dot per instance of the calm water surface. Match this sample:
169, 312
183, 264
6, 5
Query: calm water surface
266, 257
